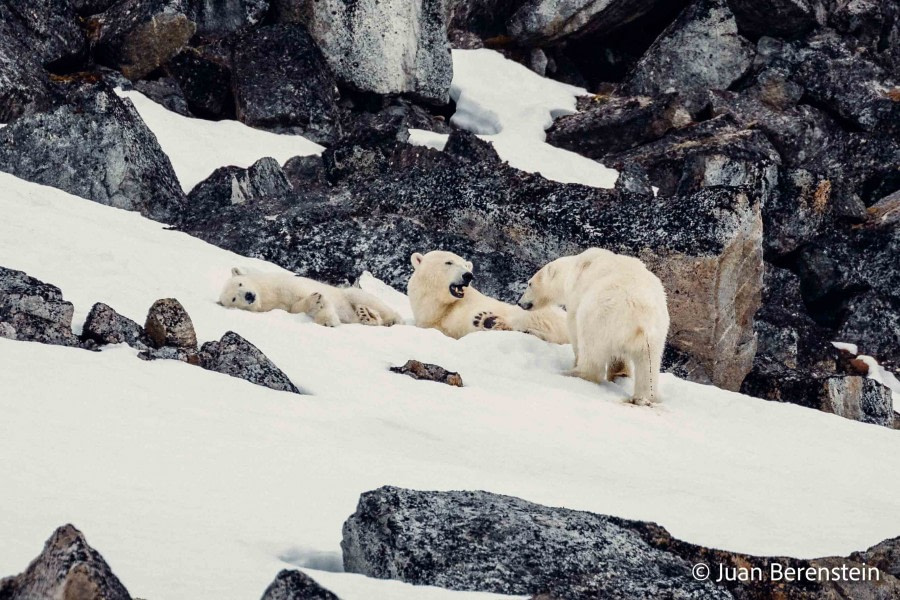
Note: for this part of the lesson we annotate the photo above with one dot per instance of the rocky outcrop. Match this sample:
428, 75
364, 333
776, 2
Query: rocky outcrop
282, 82
235, 356
215, 17
67, 569
167, 92
24, 85
48, 28
95, 146
781, 18
168, 324
105, 326
492, 543
540, 22
296, 585
429, 372
204, 76
138, 36
412, 56
34, 311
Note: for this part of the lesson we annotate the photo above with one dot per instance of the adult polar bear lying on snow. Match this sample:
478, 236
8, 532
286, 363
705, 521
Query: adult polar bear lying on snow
442, 298
616, 311
327, 305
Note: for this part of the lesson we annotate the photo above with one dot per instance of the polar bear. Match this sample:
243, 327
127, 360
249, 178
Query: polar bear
442, 298
327, 305
616, 311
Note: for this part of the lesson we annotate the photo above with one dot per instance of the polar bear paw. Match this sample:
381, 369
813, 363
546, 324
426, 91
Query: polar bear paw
368, 316
640, 401
488, 320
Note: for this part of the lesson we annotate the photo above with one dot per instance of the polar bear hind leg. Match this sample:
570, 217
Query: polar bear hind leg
319, 308
369, 310
368, 316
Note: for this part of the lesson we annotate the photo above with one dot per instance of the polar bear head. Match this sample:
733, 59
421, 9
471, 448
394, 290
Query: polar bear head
241, 291
443, 276
547, 287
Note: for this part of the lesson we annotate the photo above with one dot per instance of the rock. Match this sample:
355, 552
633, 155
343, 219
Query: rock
204, 76
282, 82
389, 123
885, 212
613, 124
49, 29
872, 321
105, 326
138, 36
34, 311
95, 146
67, 569
235, 356
479, 19
859, 399
168, 324
215, 17
189, 356
701, 50
429, 372
410, 57
165, 91
87, 8
296, 585
873, 24
24, 85
885, 556
539, 22
780, 18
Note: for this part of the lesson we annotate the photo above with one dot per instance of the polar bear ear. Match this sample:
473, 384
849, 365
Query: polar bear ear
416, 259
235, 271
469, 265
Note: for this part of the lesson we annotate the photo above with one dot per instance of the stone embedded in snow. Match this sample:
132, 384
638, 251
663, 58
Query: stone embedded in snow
701, 50
105, 326
95, 146
223, 16
34, 311
429, 372
777, 18
291, 584
282, 82
138, 36
550, 21
67, 569
859, 399
235, 356
385, 47
168, 324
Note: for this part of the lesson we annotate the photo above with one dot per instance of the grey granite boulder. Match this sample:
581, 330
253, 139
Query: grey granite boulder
34, 311
235, 356
168, 324
216, 17
291, 584
104, 325
548, 21
49, 28
779, 18
95, 146
24, 84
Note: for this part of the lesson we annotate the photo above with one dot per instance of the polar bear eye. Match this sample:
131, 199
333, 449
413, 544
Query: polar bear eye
234, 299
449, 263
240, 285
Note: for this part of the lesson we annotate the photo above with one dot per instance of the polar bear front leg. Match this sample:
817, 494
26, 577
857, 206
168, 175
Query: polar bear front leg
319, 308
488, 320
368, 316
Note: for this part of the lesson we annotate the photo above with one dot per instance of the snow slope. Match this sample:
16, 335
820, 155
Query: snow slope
511, 106
196, 485
198, 147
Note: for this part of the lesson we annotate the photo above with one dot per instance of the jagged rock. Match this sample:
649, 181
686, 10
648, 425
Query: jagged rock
87, 8
95, 146
24, 85
475, 20
429, 372
548, 21
859, 399
49, 29
218, 17
296, 585
168, 324
235, 356
633, 179
228, 186
282, 82
873, 24
701, 50
105, 326
190, 356
390, 123
614, 124
872, 322
167, 92
67, 569
204, 76
410, 57
138, 36
885, 556
34, 311
782, 18
885, 212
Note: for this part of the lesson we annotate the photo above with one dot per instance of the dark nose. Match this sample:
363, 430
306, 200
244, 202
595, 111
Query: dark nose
526, 305
467, 277
249, 297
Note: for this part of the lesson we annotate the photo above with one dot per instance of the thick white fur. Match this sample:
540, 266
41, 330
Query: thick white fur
616, 313
434, 306
326, 304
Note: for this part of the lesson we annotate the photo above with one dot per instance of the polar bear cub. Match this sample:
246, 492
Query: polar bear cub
442, 298
326, 304
616, 311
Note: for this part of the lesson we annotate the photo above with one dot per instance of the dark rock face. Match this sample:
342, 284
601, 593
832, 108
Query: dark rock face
218, 17
782, 18
105, 326
282, 82
231, 186
204, 76
95, 146
871, 24
547, 21
67, 569
34, 311
235, 356
168, 324
429, 372
138, 36
479, 19
296, 585
165, 91
700, 50
24, 85
493, 543
49, 29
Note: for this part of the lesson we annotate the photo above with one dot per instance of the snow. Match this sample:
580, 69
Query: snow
170, 469
511, 106
851, 348
198, 147
876, 371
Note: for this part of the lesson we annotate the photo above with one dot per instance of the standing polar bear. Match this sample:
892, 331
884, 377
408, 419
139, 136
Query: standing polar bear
616, 313
327, 305
442, 298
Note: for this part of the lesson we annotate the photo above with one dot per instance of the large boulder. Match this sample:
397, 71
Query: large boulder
701, 50
67, 569
204, 76
235, 356
95, 146
169, 324
547, 21
291, 584
24, 84
281, 81
49, 28
411, 56
34, 311
782, 18
217, 17
104, 325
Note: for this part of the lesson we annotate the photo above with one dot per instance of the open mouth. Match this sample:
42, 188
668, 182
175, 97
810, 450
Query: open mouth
457, 290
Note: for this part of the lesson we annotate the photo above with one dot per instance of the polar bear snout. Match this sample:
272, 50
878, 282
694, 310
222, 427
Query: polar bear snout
526, 305
250, 297
458, 289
